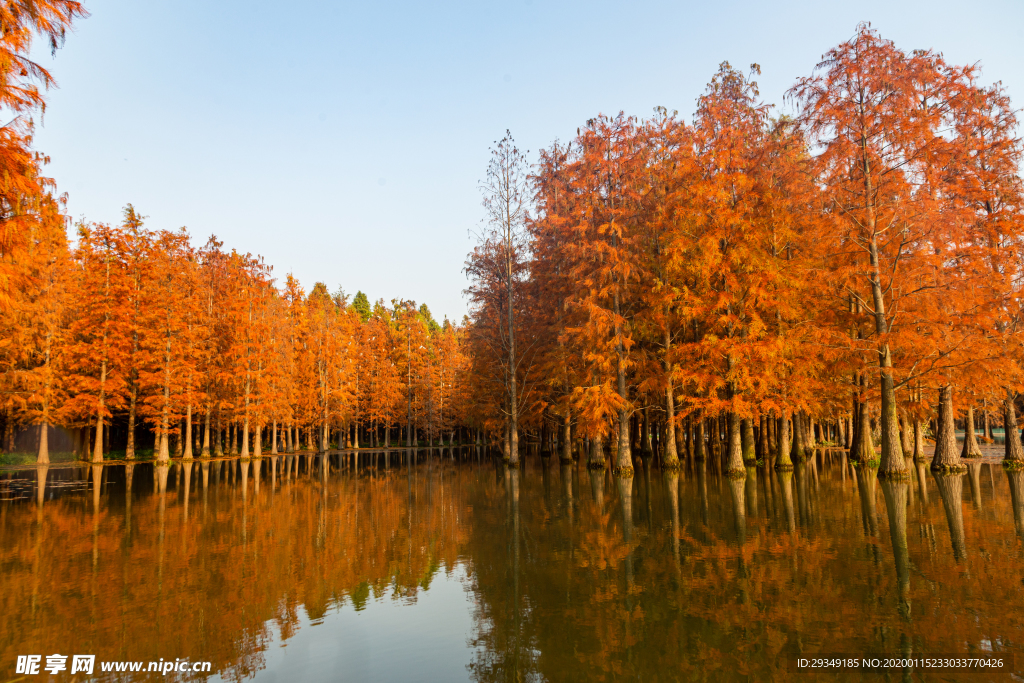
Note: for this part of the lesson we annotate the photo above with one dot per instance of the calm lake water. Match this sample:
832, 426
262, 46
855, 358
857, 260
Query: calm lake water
285, 569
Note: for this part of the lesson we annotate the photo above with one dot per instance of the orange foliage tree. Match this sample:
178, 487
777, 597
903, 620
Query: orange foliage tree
749, 286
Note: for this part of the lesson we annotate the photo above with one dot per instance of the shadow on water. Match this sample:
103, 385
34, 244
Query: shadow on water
572, 573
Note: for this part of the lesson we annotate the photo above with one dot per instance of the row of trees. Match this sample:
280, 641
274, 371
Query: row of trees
854, 265
139, 330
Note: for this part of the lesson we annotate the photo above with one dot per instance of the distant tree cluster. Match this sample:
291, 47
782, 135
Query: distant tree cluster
138, 332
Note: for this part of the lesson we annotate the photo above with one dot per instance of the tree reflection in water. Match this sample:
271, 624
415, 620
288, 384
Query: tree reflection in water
663, 576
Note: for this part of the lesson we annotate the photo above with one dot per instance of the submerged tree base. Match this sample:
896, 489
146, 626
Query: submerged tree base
1013, 465
949, 469
738, 473
892, 475
626, 471
750, 463
596, 465
783, 467
672, 466
566, 461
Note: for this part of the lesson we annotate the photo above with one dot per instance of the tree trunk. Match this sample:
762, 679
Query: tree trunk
596, 460
566, 438
970, 449
734, 468
684, 439
97, 451
188, 433
863, 447
749, 455
892, 464
513, 390
9, 435
797, 449
1014, 451
762, 439
700, 452
178, 448
918, 440
273, 439
205, 453
855, 428
243, 435
624, 457
717, 434
906, 435
86, 442
947, 457
43, 455
782, 459
257, 442
129, 451
163, 451
670, 455
624, 462
647, 447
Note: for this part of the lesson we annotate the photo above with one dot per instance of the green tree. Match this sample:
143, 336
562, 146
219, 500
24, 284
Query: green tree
362, 305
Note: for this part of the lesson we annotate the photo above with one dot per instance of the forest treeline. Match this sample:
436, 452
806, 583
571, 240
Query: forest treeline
751, 285
135, 333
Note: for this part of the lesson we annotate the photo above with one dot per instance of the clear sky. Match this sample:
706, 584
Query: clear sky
344, 141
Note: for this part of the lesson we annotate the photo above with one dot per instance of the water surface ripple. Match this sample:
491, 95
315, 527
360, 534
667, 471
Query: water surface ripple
312, 568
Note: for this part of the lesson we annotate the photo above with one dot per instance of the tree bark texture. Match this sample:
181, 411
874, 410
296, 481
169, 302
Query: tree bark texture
947, 455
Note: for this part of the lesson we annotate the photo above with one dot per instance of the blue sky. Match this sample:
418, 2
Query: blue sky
345, 141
